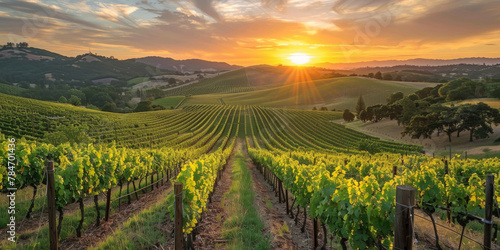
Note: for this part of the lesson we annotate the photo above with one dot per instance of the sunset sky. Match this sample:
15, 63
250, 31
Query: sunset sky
247, 32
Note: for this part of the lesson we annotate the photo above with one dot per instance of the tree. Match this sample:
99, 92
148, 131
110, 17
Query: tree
63, 99
419, 126
409, 110
462, 81
450, 121
495, 93
348, 116
413, 97
387, 77
100, 99
314, 108
109, 107
378, 75
371, 75
143, 106
360, 105
79, 94
460, 93
424, 93
398, 78
394, 111
477, 118
74, 100
370, 112
480, 90
171, 81
363, 115
157, 107
394, 97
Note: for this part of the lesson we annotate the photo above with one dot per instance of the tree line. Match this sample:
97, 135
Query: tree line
428, 111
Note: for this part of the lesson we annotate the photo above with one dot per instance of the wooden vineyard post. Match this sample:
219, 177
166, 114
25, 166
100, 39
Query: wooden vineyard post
315, 233
445, 166
286, 198
51, 200
108, 204
488, 211
278, 182
179, 237
448, 211
152, 183
394, 171
403, 224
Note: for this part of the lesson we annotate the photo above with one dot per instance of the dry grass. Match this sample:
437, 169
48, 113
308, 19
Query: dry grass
449, 239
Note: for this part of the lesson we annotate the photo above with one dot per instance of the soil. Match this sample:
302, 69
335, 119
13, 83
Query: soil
92, 235
39, 219
209, 229
275, 216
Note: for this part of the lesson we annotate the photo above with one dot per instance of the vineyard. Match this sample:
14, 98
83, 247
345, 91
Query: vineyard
220, 84
324, 172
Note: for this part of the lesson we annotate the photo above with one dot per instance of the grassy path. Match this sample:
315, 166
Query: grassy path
33, 233
151, 227
243, 228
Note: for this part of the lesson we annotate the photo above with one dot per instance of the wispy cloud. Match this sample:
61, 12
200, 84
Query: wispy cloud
44, 10
251, 30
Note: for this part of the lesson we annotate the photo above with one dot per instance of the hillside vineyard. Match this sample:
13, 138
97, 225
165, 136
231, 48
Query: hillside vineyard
351, 192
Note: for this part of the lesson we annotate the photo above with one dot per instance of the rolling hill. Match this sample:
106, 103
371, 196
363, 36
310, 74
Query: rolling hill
188, 65
414, 62
34, 65
334, 93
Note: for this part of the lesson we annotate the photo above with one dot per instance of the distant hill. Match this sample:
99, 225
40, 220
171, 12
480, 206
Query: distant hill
415, 62
436, 73
333, 93
39, 66
184, 66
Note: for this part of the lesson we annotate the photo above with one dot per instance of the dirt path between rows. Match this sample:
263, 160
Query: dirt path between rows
40, 219
210, 227
92, 235
274, 215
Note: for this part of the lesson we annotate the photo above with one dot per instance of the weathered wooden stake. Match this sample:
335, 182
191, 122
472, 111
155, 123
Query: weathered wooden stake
403, 224
286, 198
108, 203
279, 190
135, 191
128, 192
179, 236
488, 211
51, 199
315, 233
394, 171
152, 185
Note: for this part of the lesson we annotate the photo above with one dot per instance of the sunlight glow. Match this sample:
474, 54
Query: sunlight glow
299, 58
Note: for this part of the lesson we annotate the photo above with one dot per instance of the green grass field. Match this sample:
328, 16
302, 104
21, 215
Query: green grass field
338, 93
136, 80
168, 102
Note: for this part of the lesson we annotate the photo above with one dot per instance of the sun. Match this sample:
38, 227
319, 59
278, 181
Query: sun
299, 58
